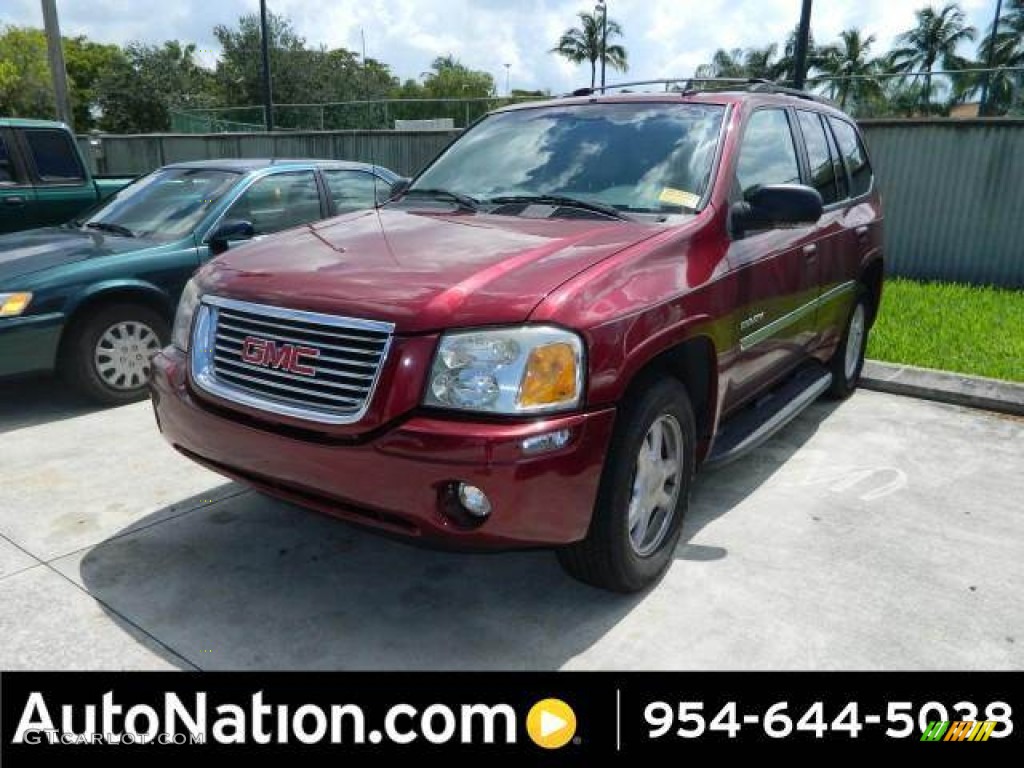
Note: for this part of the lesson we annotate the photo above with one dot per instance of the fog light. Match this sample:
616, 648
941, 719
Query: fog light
552, 441
474, 500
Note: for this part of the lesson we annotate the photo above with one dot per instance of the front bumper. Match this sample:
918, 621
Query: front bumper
397, 480
29, 344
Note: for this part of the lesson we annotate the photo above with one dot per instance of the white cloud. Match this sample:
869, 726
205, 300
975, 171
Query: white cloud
664, 37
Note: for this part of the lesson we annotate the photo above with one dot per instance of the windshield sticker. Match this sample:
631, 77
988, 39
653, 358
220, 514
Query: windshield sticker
679, 197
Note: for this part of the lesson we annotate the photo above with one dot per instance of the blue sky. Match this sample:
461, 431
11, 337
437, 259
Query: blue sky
664, 37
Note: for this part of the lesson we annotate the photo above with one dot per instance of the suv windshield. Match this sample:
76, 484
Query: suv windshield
165, 205
635, 157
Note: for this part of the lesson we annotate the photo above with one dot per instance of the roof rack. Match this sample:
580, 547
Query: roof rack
689, 85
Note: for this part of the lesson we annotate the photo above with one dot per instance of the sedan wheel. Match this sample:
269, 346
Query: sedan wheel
123, 354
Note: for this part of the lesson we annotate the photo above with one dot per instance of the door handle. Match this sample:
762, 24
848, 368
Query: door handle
862, 231
14, 200
811, 251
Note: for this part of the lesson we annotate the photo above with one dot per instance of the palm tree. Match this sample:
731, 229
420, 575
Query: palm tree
933, 41
850, 68
583, 43
759, 63
1005, 90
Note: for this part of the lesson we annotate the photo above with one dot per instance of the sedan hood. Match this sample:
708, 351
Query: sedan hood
421, 271
22, 253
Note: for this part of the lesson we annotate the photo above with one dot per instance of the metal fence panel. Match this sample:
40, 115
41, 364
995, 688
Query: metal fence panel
953, 192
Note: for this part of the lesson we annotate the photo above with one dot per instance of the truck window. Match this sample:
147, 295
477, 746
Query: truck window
54, 156
7, 173
852, 150
819, 158
767, 154
354, 190
278, 202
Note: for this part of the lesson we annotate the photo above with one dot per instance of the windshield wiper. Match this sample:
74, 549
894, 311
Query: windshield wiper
569, 202
106, 226
464, 201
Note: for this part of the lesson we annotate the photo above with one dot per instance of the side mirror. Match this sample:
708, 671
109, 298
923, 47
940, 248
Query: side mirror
398, 188
230, 230
775, 206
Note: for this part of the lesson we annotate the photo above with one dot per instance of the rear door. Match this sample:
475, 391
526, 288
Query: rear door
353, 190
63, 188
776, 274
16, 193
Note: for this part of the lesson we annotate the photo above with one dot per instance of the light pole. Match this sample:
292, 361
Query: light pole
508, 74
603, 6
986, 83
803, 37
57, 69
268, 98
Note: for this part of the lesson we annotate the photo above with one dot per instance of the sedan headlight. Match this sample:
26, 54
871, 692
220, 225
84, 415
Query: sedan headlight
532, 369
13, 304
183, 318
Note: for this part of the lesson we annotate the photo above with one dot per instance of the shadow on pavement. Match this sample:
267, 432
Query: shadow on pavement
248, 582
39, 400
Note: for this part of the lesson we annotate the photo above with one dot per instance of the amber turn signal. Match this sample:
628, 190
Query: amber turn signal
551, 376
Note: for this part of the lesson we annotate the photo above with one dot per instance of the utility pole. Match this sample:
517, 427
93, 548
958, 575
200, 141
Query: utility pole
603, 5
987, 81
268, 97
508, 75
56, 56
803, 37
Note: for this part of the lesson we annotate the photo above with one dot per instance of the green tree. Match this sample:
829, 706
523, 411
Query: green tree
851, 68
26, 89
749, 63
1006, 87
139, 94
933, 41
87, 63
583, 43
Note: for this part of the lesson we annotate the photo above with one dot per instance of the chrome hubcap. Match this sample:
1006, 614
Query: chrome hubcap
657, 480
855, 341
123, 354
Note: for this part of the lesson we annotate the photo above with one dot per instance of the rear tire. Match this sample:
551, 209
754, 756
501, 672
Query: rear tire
108, 352
644, 492
847, 363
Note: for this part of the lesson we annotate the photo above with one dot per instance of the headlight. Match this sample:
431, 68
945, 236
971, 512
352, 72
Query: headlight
183, 318
507, 371
13, 304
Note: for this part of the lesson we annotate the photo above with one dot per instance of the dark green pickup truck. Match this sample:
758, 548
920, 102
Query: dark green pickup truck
43, 178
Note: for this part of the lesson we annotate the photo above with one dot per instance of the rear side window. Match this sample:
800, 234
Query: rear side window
54, 156
767, 154
354, 190
852, 150
819, 158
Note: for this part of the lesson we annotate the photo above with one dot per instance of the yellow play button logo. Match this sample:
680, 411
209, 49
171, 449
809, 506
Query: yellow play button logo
551, 723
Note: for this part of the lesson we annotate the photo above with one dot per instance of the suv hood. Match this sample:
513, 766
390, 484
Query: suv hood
421, 271
22, 253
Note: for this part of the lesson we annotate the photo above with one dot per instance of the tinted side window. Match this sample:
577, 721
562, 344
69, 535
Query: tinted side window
843, 182
54, 156
823, 170
278, 202
856, 158
354, 190
767, 155
7, 172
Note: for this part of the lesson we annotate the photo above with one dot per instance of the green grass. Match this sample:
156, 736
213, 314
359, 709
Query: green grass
960, 328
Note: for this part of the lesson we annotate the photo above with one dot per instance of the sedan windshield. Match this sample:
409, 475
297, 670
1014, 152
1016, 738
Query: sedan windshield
165, 205
633, 157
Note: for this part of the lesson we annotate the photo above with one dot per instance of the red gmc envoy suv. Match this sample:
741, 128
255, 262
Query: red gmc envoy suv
544, 334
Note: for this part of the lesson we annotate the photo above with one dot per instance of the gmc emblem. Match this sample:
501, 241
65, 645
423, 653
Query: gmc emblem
283, 357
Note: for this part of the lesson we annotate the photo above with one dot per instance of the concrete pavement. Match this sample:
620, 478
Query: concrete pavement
882, 533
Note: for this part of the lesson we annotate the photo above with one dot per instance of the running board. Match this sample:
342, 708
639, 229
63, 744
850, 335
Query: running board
753, 425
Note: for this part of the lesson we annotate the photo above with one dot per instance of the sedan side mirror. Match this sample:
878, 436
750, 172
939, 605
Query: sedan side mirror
398, 188
230, 230
775, 206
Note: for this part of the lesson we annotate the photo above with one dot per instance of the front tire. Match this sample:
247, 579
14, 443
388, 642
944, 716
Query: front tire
847, 363
644, 493
108, 352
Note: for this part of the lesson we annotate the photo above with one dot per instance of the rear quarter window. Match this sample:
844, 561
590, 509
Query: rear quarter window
54, 156
856, 158
7, 173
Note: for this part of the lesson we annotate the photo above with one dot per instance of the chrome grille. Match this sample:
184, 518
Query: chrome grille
301, 364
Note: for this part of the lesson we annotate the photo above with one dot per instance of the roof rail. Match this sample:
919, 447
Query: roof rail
688, 85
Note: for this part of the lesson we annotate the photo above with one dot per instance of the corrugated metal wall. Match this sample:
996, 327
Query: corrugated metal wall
954, 198
953, 189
